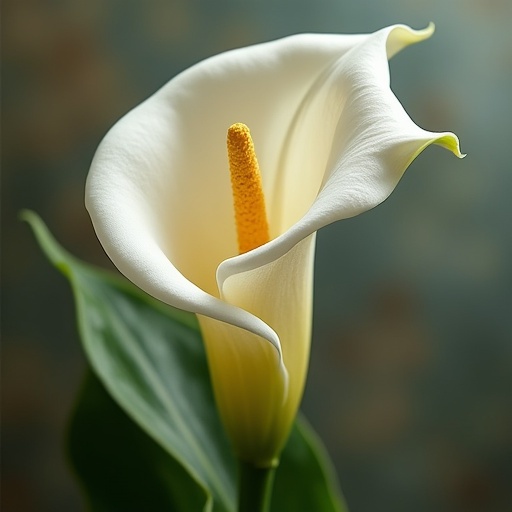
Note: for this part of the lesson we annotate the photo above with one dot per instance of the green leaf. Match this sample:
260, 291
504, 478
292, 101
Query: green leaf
305, 480
119, 465
150, 359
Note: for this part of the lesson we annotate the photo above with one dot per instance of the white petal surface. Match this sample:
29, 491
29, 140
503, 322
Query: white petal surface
332, 141
352, 125
331, 138
158, 190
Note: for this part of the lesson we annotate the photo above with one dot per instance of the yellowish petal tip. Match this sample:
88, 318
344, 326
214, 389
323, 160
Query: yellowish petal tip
423, 33
428, 30
446, 140
403, 35
450, 141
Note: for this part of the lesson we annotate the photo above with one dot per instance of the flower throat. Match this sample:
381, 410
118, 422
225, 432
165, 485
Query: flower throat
248, 199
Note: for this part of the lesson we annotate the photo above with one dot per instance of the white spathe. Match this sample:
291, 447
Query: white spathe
332, 141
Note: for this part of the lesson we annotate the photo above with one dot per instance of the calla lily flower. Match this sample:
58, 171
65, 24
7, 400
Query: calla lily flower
332, 142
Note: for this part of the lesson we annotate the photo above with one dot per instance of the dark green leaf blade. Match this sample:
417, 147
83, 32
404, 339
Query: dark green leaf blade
119, 465
305, 480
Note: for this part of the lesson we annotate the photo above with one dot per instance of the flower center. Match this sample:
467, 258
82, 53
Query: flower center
248, 199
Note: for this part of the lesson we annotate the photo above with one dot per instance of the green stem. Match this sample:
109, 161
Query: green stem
254, 487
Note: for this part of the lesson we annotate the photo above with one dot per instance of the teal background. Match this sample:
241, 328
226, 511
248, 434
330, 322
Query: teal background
410, 384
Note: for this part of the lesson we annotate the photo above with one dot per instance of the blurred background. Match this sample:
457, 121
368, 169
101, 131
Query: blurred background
410, 384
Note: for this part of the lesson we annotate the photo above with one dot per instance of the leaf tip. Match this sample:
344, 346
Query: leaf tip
50, 247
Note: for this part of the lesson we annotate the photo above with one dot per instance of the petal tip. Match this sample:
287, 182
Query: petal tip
447, 140
451, 142
403, 35
426, 32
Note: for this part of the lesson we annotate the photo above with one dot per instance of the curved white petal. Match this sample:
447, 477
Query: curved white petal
332, 141
366, 142
158, 189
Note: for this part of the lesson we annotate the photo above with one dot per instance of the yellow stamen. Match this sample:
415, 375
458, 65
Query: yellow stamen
248, 198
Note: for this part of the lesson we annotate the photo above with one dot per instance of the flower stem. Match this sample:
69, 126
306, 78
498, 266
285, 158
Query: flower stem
254, 487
